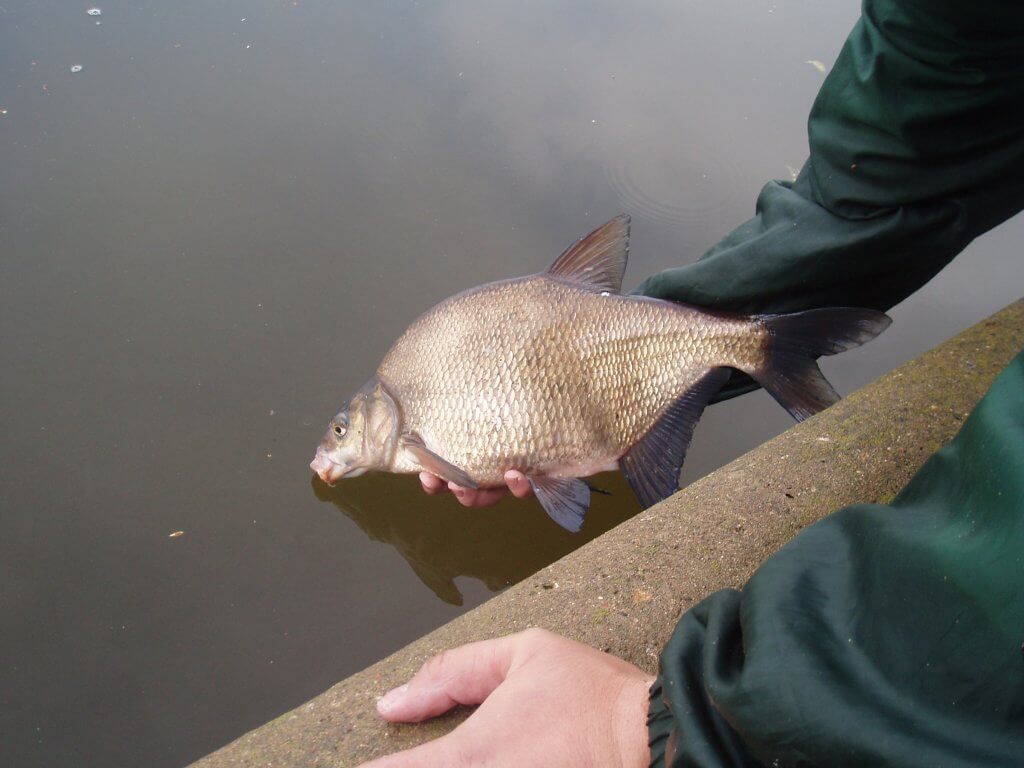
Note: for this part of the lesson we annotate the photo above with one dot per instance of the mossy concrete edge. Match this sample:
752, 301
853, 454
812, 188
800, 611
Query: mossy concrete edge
624, 591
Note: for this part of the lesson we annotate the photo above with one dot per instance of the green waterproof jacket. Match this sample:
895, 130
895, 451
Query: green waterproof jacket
883, 635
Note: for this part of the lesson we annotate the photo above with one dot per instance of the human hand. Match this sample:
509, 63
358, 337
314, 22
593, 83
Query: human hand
516, 481
544, 700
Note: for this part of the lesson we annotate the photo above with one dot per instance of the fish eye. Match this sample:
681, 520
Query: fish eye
339, 430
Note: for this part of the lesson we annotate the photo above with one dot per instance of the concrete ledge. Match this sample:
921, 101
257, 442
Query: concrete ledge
625, 591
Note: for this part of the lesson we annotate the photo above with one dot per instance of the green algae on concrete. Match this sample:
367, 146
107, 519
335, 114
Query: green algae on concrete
624, 591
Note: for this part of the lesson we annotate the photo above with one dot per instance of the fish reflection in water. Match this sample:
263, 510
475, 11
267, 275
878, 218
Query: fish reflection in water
442, 540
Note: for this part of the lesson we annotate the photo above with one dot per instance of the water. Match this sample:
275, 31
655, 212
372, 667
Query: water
210, 236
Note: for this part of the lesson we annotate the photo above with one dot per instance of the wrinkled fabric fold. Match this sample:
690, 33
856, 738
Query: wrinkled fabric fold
880, 636
916, 148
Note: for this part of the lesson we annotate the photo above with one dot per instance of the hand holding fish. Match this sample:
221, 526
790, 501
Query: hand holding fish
559, 376
544, 700
515, 481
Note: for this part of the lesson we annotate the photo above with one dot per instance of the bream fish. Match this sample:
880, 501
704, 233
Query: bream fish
560, 375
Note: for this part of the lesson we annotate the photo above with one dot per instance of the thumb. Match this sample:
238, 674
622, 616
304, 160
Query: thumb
465, 675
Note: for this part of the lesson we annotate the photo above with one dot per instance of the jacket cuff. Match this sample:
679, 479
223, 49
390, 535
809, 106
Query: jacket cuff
686, 726
661, 728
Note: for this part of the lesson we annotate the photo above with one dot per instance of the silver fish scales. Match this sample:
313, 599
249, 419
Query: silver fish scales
560, 376
537, 375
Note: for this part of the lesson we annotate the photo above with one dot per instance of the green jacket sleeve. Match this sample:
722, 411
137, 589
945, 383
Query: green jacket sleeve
916, 148
880, 636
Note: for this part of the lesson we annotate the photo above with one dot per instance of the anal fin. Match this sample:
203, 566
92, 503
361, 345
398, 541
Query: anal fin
565, 499
433, 463
653, 463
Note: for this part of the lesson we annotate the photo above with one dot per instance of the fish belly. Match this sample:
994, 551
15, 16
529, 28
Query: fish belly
539, 375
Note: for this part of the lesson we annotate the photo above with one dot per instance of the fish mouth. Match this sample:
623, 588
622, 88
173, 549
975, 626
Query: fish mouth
327, 470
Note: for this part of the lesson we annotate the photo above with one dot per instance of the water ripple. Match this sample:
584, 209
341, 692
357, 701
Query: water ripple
672, 186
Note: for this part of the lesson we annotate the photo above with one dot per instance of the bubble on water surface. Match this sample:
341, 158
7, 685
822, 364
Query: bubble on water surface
94, 12
76, 67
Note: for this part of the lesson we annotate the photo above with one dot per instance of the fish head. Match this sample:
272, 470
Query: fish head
362, 436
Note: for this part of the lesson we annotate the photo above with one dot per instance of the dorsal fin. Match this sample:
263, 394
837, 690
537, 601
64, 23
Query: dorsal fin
599, 259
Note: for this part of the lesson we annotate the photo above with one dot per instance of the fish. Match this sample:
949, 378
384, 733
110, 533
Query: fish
560, 375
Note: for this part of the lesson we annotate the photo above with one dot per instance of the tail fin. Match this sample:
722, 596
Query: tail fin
790, 373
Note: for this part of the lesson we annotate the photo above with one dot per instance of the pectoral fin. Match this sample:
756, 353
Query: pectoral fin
433, 463
652, 465
565, 499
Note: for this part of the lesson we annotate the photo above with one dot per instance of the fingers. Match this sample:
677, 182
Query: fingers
476, 497
519, 484
432, 483
465, 675
516, 481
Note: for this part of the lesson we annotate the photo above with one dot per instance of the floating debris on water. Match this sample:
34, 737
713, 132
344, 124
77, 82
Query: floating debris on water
76, 67
176, 534
95, 12
816, 64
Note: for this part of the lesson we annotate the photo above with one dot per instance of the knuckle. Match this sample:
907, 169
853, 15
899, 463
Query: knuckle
437, 662
536, 635
437, 665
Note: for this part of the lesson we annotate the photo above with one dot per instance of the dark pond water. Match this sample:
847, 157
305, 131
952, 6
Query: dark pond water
208, 237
